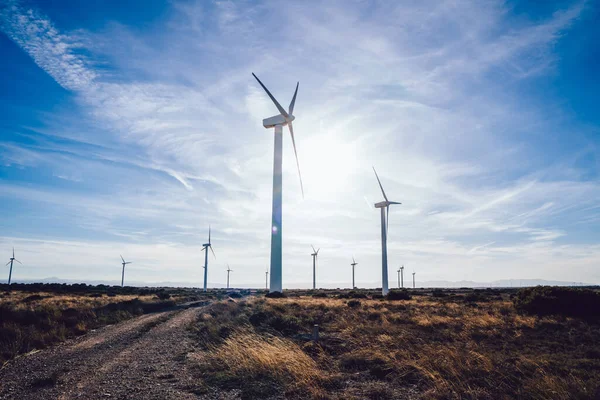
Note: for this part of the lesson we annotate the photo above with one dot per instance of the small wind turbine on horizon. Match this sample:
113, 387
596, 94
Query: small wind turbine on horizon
401, 270
123, 271
278, 122
205, 248
354, 264
228, 271
314, 257
385, 217
414, 279
267, 278
12, 259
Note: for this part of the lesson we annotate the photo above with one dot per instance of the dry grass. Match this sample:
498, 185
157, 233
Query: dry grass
426, 348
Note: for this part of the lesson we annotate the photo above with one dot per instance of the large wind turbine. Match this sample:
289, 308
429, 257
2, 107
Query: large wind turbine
123, 271
11, 265
278, 122
354, 263
385, 216
314, 256
205, 248
228, 271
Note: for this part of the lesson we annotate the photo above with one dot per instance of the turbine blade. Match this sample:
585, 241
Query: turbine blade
382, 191
203, 248
213, 252
13, 252
281, 109
209, 234
296, 154
313, 247
394, 202
294, 100
318, 250
18, 261
7, 264
122, 258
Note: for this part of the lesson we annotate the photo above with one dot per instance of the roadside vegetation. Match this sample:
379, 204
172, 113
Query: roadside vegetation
469, 344
34, 316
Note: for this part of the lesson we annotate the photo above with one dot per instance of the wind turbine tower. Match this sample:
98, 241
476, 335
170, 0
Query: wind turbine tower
278, 122
228, 271
123, 271
267, 278
12, 259
354, 263
402, 276
205, 248
314, 256
413, 280
385, 217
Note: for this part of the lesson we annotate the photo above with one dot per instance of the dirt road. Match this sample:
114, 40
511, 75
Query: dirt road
143, 358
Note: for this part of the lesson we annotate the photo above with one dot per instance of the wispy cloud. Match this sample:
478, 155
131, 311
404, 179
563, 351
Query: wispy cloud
426, 91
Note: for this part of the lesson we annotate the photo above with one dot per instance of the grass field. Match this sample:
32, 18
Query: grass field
437, 345
35, 316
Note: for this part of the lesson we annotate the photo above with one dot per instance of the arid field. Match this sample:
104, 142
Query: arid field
132, 343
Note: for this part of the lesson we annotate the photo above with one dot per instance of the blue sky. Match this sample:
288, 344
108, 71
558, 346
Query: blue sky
127, 127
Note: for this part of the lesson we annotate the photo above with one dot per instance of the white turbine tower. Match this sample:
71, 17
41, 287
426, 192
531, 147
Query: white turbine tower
228, 271
123, 271
11, 265
205, 248
314, 256
354, 263
267, 278
278, 122
414, 280
385, 216
402, 276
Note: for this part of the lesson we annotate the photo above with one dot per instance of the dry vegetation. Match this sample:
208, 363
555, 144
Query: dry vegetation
35, 316
474, 346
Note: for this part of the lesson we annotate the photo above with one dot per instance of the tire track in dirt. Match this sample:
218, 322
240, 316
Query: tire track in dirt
143, 358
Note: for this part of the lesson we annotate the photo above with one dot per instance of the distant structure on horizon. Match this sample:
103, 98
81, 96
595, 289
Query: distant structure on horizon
354, 264
314, 255
11, 265
385, 217
228, 271
123, 271
278, 122
205, 248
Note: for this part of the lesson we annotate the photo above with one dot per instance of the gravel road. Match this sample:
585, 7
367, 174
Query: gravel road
143, 358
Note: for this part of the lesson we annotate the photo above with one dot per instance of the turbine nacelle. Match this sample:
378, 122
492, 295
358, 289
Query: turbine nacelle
271, 122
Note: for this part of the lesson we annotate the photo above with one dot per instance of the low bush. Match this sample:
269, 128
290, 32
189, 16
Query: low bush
275, 295
552, 300
398, 295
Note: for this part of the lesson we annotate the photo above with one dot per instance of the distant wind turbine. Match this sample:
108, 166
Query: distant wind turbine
123, 271
385, 217
402, 276
205, 248
228, 271
278, 122
414, 280
11, 265
267, 278
314, 256
354, 264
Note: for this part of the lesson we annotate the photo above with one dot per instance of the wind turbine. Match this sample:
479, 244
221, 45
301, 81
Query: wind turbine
267, 278
314, 256
205, 248
402, 276
11, 265
123, 272
354, 263
413, 279
228, 271
278, 122
385, 216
